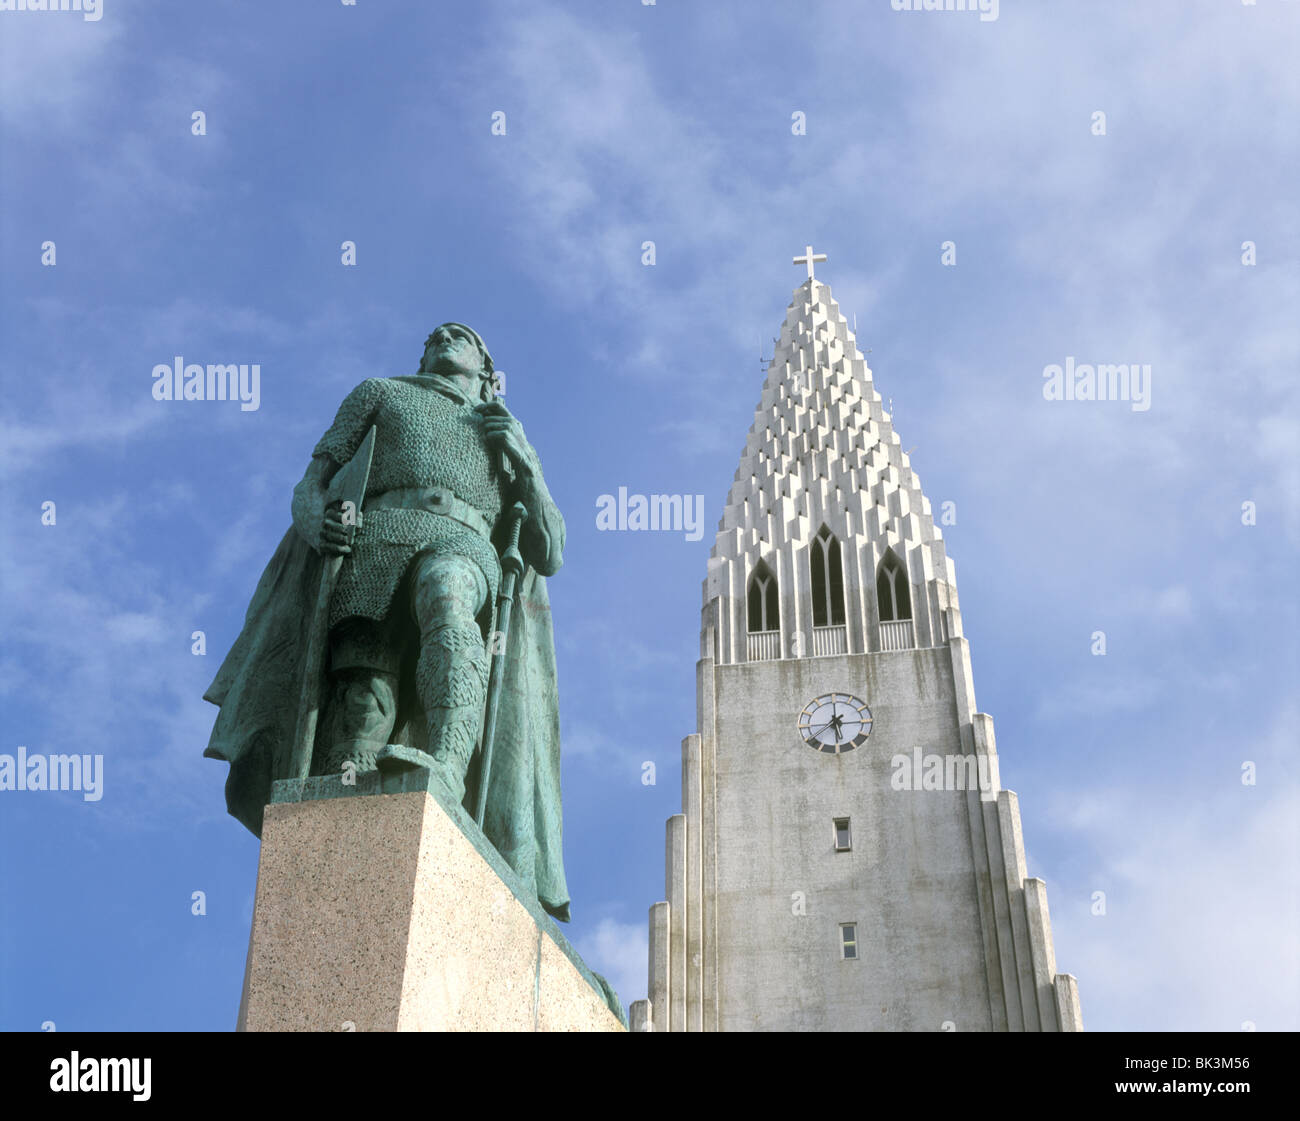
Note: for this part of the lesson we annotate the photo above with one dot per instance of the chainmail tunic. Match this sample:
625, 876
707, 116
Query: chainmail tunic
429, 435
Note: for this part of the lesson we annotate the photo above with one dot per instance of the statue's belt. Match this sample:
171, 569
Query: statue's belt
434, 500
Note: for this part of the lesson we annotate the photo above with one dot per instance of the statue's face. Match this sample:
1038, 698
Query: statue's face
452, 352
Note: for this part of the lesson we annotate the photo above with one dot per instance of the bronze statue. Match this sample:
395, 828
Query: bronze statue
412, 618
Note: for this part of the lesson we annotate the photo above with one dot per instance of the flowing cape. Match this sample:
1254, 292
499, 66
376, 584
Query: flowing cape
259, 684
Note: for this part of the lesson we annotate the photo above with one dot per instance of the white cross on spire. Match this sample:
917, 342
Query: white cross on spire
808, 259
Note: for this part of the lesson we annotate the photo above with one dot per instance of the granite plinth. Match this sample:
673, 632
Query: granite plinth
382, 907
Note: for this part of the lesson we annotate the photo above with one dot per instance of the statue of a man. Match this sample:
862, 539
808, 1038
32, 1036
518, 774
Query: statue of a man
411, 617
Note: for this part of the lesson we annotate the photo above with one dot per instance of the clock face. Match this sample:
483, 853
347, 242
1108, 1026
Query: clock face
835, 723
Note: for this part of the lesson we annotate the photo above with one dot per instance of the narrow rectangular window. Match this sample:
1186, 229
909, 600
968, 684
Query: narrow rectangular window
843, 837
848, 940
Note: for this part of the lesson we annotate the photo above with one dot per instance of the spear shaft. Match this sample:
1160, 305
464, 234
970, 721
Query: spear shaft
512, 565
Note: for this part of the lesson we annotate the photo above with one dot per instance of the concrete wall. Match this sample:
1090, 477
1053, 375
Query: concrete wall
908, 882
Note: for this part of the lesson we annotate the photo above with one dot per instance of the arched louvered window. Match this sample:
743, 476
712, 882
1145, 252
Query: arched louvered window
893, 592
827, 580
764, 604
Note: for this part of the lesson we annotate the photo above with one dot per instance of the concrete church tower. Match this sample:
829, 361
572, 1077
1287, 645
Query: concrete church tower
846, 859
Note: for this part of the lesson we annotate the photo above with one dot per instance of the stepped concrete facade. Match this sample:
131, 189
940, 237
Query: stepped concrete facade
845, 859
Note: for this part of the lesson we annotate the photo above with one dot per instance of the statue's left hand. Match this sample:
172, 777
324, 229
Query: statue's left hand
541, 539
502, 431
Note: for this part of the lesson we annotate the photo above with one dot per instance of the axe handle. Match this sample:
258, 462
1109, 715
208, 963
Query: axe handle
347, 486
304, 735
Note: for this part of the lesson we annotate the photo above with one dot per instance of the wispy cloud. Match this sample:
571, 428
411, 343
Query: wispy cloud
619, 952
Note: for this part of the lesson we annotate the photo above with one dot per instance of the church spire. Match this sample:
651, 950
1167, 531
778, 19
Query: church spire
822, 453
832, 673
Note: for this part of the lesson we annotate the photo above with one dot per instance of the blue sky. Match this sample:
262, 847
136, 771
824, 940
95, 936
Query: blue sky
671, 122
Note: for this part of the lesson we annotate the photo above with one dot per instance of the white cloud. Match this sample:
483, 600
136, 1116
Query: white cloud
1174, 602
132, 627
52, 68
619, 952
1202, 885
100, 642
1077, 697
1200, 927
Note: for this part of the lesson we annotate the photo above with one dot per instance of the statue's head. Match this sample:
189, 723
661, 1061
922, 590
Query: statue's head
456, 351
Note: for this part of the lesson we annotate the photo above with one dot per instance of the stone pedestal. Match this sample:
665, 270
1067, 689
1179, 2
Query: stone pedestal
381, 907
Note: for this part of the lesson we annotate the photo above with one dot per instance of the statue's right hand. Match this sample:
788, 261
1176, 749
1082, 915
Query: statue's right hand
335, 535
